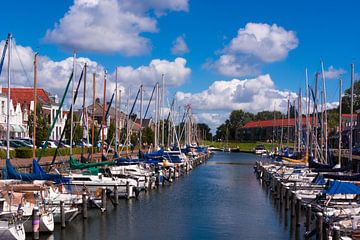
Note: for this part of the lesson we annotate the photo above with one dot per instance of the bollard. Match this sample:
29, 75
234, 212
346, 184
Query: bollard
128, 190
293, 200
116, 196
287, 193
308, 217
146, 183
84, 205
36, 223
336, 233
62, 214
298, 211
295, 187
170, 174
319, 226
281, 193
103, 199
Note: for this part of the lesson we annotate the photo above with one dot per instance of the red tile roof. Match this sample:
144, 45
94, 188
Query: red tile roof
348, 115
26, 95
271, 123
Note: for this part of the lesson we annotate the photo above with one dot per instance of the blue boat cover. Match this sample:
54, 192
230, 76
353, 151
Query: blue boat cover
338, 187
37, 174
319, 180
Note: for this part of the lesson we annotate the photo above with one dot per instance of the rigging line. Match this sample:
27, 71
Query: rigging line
22, 65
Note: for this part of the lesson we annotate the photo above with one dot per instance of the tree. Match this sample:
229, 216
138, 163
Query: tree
204, 131
268, 115
42, 125
148, 135
346, 99
111, 133
77, 130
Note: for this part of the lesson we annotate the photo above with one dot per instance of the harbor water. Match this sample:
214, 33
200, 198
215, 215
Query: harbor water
221, 199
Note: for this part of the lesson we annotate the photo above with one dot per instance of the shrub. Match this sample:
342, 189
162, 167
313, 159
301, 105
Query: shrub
27, 152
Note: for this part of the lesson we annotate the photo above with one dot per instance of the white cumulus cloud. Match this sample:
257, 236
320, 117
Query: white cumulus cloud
53, 75
255, 44
334, 73
269, 43
111, 25
179, 46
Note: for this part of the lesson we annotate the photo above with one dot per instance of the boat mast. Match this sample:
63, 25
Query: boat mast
72, 104
93, 118
8, 100
141, 119
307, 107
325, 112
288, 123
299, 120
35, 96
103, 116
156, 115
351, 112
84, 113
340, 121
295, 126
273, 132
116, 120
162, 112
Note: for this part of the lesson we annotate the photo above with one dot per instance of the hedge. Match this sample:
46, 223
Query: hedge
3, 153
27, 152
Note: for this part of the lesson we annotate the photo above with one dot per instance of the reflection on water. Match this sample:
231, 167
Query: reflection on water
221, 199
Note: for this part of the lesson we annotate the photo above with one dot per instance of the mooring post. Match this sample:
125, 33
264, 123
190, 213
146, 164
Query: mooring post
319, 226
298, 211
287, 193
146, 183
281, 192
116, 196
128, 190
36, 223
308, 218
84, 204
62, 214
336, 233
103, 199
293, 201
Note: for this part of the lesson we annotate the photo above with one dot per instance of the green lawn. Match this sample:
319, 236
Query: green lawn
244, 146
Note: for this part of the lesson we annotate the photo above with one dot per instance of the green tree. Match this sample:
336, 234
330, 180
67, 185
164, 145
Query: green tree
346, 99
42, 125
268, 115
111, 133
148, 135
204, 131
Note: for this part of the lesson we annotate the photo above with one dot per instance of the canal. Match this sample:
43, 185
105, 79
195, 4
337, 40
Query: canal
221, 199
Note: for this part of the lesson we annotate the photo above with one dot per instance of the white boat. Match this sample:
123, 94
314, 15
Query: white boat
126, 186
10, 228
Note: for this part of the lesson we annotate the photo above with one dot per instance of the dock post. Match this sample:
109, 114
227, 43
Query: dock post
336, 233
36, 223
293, 200
298, 211
116, 196
84, 204
128, 190
62, 214
146, 183
319, 226
281, 193
308, 217
287, 193
103, 199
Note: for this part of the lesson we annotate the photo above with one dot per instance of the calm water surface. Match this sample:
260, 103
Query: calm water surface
221, 199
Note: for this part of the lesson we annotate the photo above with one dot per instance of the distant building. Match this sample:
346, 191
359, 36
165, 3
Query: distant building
17, 127
263, 130
24, 98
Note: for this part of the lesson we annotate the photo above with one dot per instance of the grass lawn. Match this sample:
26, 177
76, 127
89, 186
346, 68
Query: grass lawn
244, 146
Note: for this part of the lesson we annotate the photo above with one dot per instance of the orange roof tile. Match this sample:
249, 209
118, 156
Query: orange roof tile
26, 95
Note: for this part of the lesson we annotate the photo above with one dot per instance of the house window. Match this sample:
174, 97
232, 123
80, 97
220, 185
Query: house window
3, 107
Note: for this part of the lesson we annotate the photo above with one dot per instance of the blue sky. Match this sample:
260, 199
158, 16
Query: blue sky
323, 29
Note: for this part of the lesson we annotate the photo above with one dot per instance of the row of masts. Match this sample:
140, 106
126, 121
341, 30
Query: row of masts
310, 140
174, 133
